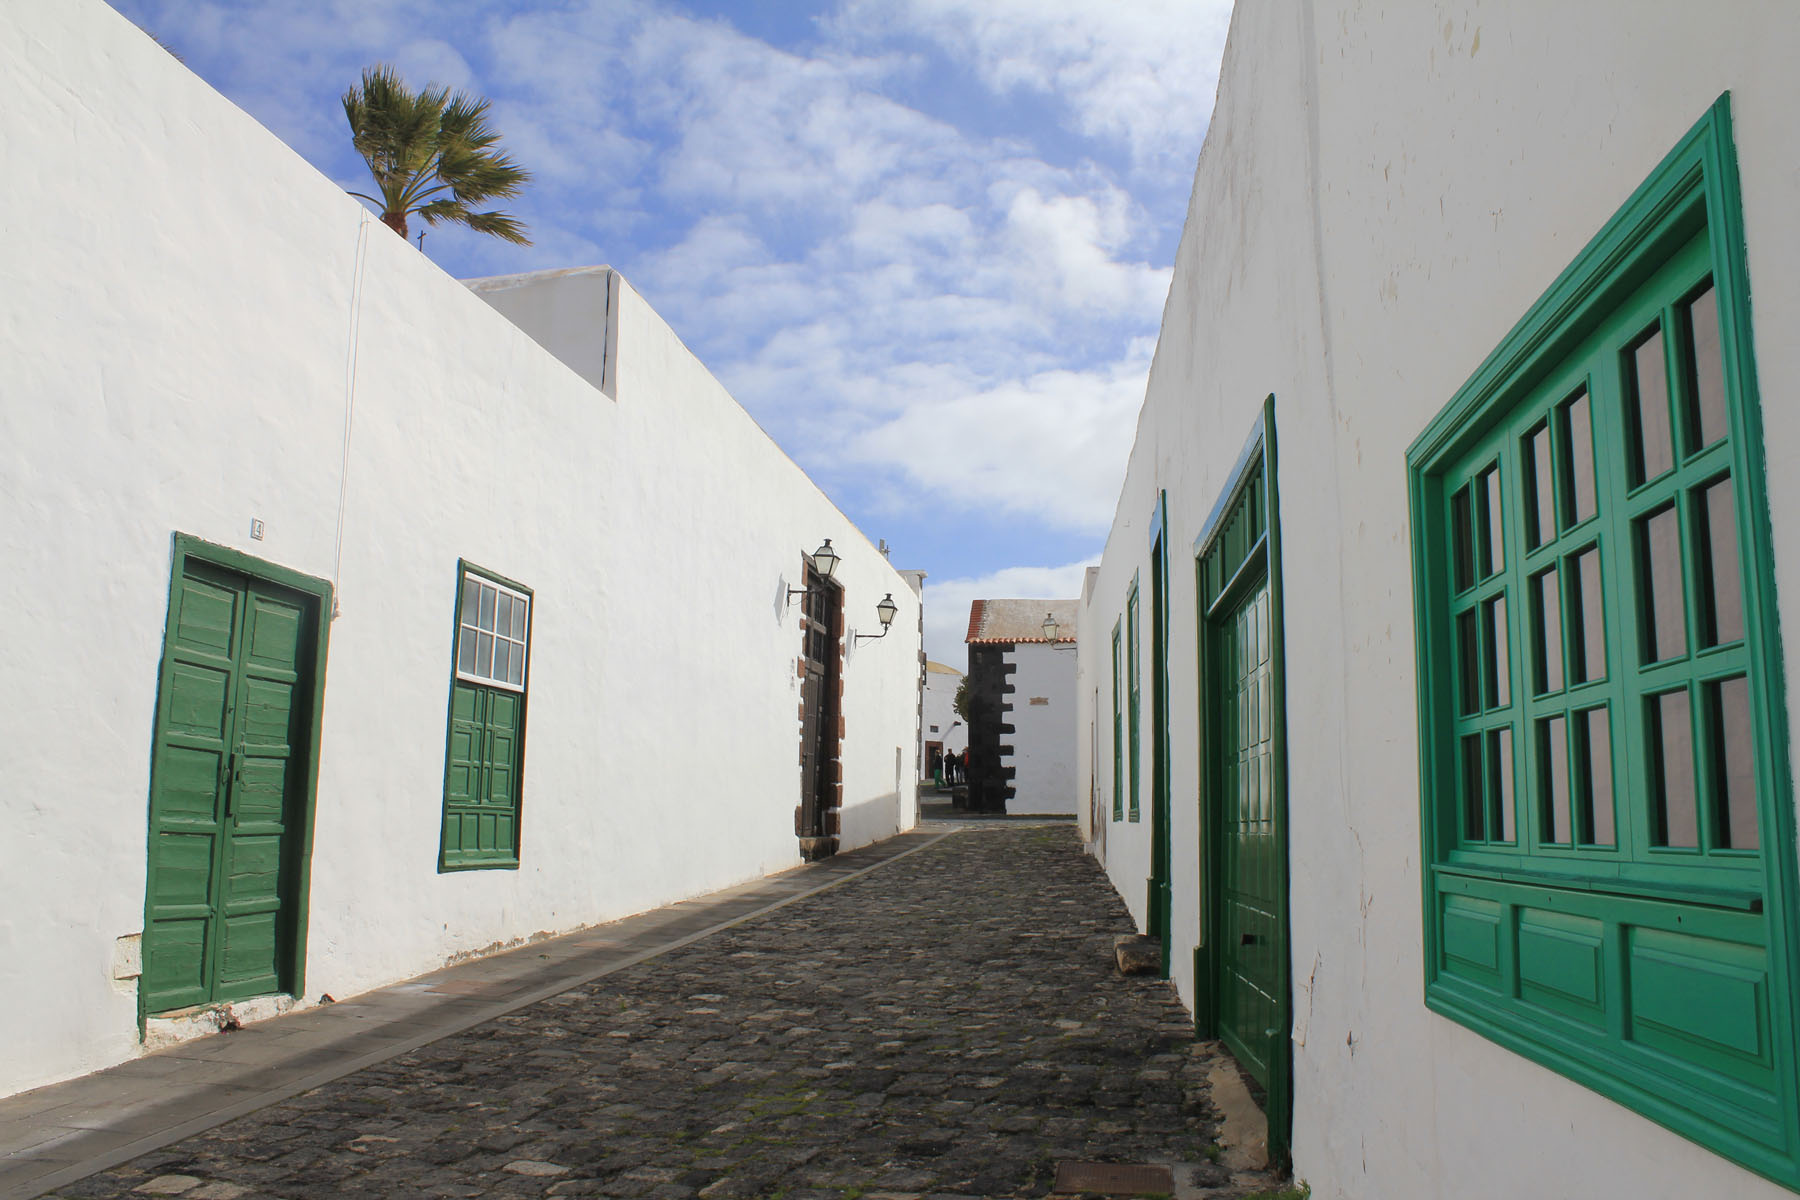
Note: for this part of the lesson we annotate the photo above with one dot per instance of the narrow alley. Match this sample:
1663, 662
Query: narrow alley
941, 1017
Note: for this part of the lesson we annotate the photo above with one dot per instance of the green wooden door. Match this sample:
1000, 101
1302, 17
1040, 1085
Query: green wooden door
228, 789
1251, 947
1159, 752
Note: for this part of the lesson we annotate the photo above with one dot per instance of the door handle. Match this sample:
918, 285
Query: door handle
230, 782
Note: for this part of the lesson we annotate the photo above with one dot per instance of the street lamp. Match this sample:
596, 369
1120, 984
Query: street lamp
885, 610
824, 561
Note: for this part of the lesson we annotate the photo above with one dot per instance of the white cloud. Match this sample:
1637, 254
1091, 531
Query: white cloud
1142, 72
947, 602
1049, 447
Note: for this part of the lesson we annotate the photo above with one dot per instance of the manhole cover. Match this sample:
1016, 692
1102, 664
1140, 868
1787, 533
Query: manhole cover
1113, 1179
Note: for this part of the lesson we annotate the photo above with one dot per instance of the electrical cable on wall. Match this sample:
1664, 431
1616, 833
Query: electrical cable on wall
356, 291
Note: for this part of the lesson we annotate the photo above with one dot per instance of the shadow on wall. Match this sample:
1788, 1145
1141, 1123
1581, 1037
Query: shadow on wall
870, 820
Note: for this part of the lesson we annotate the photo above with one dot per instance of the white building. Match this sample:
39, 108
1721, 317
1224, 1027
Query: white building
1436, 638
1022, 707
941, 731
413, 636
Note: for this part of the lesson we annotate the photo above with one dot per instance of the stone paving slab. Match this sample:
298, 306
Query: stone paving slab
948, 1023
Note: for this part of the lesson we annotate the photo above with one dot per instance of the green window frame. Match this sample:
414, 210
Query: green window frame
1607, 816
1134, 717
1118, 731
484, 751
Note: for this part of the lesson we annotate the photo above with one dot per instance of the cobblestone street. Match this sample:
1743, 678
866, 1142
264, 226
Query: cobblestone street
949, 1023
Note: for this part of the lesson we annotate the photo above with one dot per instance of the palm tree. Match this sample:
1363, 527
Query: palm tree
431, 153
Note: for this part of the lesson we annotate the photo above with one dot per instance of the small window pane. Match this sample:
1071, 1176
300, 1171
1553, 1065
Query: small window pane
1665, 611
484, 655
1587, 656
1553, 749
1493, 546
517, 674
1734, 761
488, 596
1546, 614
1500, 780
1655, 449
503, 619
1672, 769
471, 600
1541, 488
1474, 805
465, 651
1579, 418
1708, 420
1498, 668
502, 656
518, 620
1723, 581
1462, 537
1468, 655
1593, 789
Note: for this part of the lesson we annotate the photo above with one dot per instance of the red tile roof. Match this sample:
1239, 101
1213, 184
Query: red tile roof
1011, 622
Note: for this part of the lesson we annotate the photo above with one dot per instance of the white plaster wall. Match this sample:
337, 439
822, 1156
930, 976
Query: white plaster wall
1382, 195
1043, 737
184, 328
940, 710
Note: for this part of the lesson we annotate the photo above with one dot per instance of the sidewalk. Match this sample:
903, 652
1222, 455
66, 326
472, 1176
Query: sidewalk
53, 1135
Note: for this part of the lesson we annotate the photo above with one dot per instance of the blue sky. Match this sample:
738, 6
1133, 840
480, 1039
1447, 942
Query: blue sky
925, 242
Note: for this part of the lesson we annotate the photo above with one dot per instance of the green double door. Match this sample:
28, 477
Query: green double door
1251, 945
230, 784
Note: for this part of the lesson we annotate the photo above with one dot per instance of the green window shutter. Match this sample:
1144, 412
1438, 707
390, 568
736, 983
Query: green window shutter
1132, 726
1118, 741
485, 746
1607, 820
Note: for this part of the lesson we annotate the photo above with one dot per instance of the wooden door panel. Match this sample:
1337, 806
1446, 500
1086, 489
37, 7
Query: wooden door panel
189, 769
1251, 945
250, 955
264, 794
207, 612
229, 774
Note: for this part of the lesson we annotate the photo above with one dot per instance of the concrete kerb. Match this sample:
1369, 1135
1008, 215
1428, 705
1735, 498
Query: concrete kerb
24, 1185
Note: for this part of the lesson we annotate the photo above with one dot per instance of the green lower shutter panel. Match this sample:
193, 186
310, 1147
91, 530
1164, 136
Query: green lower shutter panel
481, 777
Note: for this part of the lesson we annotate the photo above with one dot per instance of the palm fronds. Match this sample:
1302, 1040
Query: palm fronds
432, 152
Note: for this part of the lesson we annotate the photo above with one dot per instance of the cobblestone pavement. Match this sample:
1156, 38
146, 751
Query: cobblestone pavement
949, 1024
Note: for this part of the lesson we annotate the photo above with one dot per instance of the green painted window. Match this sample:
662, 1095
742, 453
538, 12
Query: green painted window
1118, 741
1134, 713
484, 757
1607, 820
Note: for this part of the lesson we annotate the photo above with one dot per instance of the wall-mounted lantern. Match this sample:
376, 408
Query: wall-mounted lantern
1050, 628
824, 562
885, 610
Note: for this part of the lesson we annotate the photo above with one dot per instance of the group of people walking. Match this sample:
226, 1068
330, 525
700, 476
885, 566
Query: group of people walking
951, 768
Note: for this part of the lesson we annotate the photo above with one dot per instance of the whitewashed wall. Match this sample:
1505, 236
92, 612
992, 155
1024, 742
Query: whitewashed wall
1043, 737
183, 302
1382, 195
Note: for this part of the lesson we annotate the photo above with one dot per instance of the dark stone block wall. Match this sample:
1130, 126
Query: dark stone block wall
990, 704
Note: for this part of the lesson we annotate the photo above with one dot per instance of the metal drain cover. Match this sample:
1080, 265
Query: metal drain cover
1113, 1179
